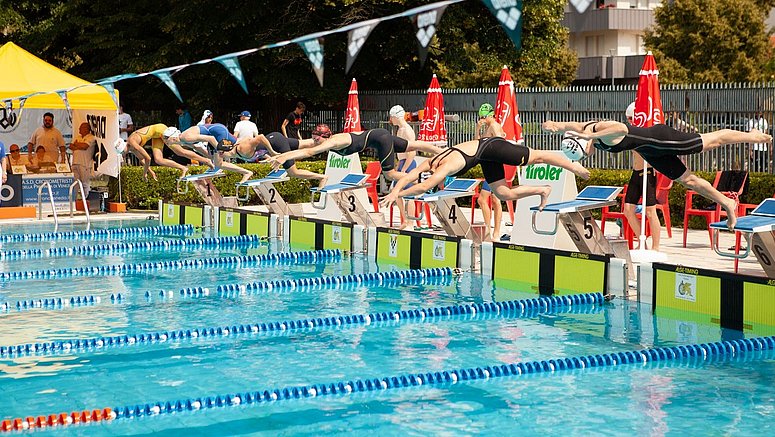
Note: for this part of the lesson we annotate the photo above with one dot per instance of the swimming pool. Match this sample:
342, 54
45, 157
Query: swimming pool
183, 339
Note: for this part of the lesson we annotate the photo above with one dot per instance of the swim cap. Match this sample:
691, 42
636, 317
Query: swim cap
573, 147
630, 112
397, 111
171, 131
486, 110
120, 146
321, 131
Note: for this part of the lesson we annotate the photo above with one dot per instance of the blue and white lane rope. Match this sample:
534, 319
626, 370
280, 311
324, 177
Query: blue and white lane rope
101, 234
56, 303
99, 249
406, 277
701, 352
513, 308
311, 256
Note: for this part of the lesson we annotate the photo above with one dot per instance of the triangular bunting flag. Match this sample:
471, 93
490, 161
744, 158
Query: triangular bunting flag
231, 63
314, 50
426, 24
356, 38
581, 5
509, 13
166, 77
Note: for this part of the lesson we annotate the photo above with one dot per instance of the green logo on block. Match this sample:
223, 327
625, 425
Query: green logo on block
544, 172
336, 161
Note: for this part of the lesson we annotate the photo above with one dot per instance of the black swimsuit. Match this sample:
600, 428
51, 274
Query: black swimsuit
659, 145
491, 154
385, 144
281, 144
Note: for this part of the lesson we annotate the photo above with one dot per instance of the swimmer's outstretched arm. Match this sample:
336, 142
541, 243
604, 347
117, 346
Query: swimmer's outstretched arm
424, 146
399, 191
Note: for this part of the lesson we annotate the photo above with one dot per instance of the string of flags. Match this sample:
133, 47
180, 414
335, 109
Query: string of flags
425, 18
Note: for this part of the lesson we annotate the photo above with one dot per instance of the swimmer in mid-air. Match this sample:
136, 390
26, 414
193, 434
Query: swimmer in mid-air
210, 141
153, 133
660, 146
491, 153
273, 144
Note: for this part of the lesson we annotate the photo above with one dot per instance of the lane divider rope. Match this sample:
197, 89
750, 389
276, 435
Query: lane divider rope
698, 352
194, 243
101, 234
512, 308
54, 303
312, 256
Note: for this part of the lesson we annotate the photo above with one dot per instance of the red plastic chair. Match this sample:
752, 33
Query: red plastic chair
373, 169
474, 199
664, 184
417, 206
607, 214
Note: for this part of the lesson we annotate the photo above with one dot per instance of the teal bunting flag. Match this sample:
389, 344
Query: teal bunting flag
509, 13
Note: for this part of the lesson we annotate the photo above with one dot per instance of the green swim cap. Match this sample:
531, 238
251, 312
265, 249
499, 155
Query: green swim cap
486, 110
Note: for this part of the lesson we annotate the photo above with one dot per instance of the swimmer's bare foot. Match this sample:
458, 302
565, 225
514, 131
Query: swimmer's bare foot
322, 182
246, 177
579, 170
545, 191
730, 206
404, 225
760, 137
185, 172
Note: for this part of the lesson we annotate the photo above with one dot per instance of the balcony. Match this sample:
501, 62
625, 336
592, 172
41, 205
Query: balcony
604, 67
597, 20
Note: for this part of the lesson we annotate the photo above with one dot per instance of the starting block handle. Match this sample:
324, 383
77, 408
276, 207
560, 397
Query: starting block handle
180, 190
542, 232
247, 192
729, 254
420, 217
321, 204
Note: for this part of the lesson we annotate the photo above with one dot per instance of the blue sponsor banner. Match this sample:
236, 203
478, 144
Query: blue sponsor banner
60, 188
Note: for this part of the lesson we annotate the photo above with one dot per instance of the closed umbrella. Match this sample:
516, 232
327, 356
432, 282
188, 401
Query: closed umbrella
433, 129
352, 116
507, 114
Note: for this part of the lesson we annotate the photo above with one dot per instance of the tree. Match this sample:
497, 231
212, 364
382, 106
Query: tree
710, 40
95, 39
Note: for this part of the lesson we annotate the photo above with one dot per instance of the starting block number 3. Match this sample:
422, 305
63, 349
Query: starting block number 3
351, 202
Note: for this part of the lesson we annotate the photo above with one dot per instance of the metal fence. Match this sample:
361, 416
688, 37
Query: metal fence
701, 107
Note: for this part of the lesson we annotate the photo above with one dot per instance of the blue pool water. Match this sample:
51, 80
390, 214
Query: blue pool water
729, 396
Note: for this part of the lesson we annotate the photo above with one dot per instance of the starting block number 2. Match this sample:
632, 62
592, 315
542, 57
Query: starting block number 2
272, 193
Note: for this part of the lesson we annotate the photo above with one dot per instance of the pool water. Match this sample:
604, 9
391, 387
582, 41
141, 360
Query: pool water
730, 396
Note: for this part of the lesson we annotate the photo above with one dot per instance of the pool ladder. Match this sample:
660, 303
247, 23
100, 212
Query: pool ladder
83, 199
51, 198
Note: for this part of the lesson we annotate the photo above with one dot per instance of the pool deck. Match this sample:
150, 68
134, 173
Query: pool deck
697, 253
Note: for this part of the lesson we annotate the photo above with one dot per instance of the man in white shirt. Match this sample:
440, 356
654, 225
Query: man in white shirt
125, 126
83, 147
15, 157
50, 138
760, 155
245, 129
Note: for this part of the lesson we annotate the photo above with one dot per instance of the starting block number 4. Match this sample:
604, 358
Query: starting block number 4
453, 214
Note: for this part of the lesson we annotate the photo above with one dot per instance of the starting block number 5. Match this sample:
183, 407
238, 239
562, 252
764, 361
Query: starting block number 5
588, 230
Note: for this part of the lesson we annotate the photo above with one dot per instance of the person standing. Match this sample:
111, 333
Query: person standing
488, 127
245, 129
125, 126
184, 117
3, 164
83, 147
292, 122
50, 138
760, 153
406, 163
635, 191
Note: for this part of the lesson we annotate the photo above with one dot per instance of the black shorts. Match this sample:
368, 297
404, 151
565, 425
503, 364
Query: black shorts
495, 153
635, 188
669, 165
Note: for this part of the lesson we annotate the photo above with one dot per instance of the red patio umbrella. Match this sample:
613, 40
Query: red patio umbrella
507, 114
433, 129
352, 116
648, 112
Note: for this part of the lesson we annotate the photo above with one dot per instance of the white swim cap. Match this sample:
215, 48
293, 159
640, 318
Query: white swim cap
630, 112
171, 131
573, 147
397, 111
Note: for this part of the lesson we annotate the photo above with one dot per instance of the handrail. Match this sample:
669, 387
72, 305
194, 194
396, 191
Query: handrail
51, 198
83, 198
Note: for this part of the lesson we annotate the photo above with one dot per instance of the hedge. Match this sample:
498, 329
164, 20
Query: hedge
141, 194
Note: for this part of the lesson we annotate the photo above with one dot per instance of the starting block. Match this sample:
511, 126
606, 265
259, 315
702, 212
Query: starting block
446, 210
268, 194
204, 185
352, 208
758, 228
576, 218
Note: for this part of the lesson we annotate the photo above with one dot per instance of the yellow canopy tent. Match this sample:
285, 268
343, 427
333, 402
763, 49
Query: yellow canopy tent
24, 73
